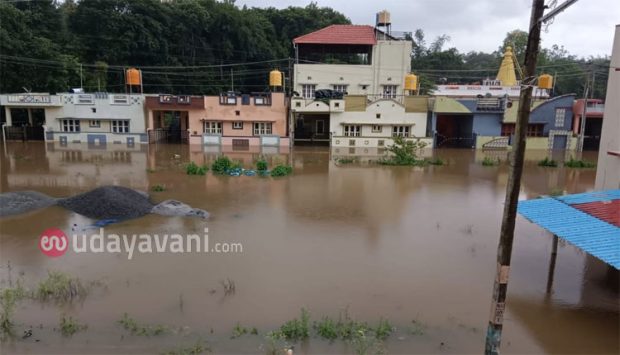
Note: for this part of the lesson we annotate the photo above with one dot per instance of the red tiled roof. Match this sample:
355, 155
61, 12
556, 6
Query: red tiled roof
340, 34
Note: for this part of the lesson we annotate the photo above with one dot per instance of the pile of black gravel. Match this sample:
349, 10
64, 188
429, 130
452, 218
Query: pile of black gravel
109, 202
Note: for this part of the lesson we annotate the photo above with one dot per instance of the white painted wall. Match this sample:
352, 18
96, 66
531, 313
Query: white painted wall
608, 170
391, 61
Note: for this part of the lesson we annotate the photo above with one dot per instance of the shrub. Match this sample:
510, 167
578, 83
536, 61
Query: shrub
490, 162
68, 326
281, 170
573, 163
403, 152
548, 162
261, 165
221, 165
297, 329
194, 169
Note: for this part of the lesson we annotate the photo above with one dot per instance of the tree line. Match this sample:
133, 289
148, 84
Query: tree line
209, 46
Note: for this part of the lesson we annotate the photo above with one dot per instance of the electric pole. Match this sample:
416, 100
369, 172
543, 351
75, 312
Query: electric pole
504, 250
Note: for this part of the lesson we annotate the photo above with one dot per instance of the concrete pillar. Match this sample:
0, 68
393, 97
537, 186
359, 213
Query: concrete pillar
9, 119
30, 117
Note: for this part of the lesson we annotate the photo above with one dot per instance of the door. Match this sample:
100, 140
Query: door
559, 142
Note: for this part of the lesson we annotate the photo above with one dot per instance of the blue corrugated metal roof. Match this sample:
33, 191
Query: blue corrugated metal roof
599, 238
588, 197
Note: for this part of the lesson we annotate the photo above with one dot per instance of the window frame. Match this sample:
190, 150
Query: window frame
94, 123
212, 127
237, 125
389, 91
308, 91
351, 130
401, 131
374, 130
341, 88
119, 126
262, 128
70, 125
560, 120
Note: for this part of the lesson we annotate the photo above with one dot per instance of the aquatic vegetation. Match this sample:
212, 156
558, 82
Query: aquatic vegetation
490, 162
383, 329
60, 287
404, 152
8, 300
416, 328
548, 163
195, 169
158, 188
580, 164
297, 329
261, 165
364, 343
435, 161
221, 165
346, 328
69, 326
132, 326
281, 170
195, 349
239, 330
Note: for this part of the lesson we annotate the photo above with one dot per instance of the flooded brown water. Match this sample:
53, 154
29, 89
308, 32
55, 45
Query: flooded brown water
396, 243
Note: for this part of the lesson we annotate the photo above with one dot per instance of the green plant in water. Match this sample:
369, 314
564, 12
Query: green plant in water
158, 188
490, 161
403, 152
281, 170
326, 328
60, 287
580, 164
8, 300
435, 161
195, 349
68, 326
556, 192
132, 326
195, 169
297, 329
548, 163
346, 160
364, 344
261, 165
416, 328
383, 329
221, 165
238, 331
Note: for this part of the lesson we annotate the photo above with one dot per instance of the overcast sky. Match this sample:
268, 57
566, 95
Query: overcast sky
586, 28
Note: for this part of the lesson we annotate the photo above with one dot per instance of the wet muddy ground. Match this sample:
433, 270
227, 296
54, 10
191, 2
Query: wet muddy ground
415, 246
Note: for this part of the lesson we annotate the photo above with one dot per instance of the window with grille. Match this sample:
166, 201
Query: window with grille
560, 114
120, 126
262, 128
307, 91
340, 88
70, 125
400, 131
535, 130
212, 127
352, 130
389, 91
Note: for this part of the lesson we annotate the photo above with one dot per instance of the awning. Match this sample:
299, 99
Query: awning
590, 221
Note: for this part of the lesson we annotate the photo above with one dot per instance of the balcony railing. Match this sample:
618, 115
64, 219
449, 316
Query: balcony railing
595, 108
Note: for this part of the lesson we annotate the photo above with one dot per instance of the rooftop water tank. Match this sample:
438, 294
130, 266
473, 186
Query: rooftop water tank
133, 77
545, 81
275, 78
411, 82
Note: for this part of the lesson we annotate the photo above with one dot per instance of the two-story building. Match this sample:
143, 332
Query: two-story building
227, 120
96, 119
593, 124
349, 88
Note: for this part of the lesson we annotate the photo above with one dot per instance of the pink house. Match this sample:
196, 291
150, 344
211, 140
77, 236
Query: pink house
240, 121
258, 119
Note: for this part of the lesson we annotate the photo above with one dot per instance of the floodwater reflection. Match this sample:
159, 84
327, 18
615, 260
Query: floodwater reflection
397, 243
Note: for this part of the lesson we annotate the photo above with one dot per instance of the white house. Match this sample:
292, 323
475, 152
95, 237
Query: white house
365, 69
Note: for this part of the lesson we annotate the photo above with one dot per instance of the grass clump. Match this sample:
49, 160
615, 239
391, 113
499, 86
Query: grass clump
404, 152
281, 170
60, 287
195, 349
195, 169
383, 329
261, 165
327, 329
69, 326
548, 163
365, 343
580, 164
8, 300
239, 330
490, 161
297, 329
158, 188
435, 161
132, 326
221, 165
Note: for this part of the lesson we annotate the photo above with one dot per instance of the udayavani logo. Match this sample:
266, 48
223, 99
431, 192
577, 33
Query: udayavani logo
53, 242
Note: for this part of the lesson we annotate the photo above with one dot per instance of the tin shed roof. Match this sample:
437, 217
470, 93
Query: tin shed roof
340, 34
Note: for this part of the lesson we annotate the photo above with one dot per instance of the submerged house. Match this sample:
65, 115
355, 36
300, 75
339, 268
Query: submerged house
593, 124
96, 119
350, 89
230, 119
484, 116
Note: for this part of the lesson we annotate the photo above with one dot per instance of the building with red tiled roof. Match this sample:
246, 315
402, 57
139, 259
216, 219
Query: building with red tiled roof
357, 72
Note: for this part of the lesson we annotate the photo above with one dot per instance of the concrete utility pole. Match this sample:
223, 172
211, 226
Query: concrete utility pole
504, 250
